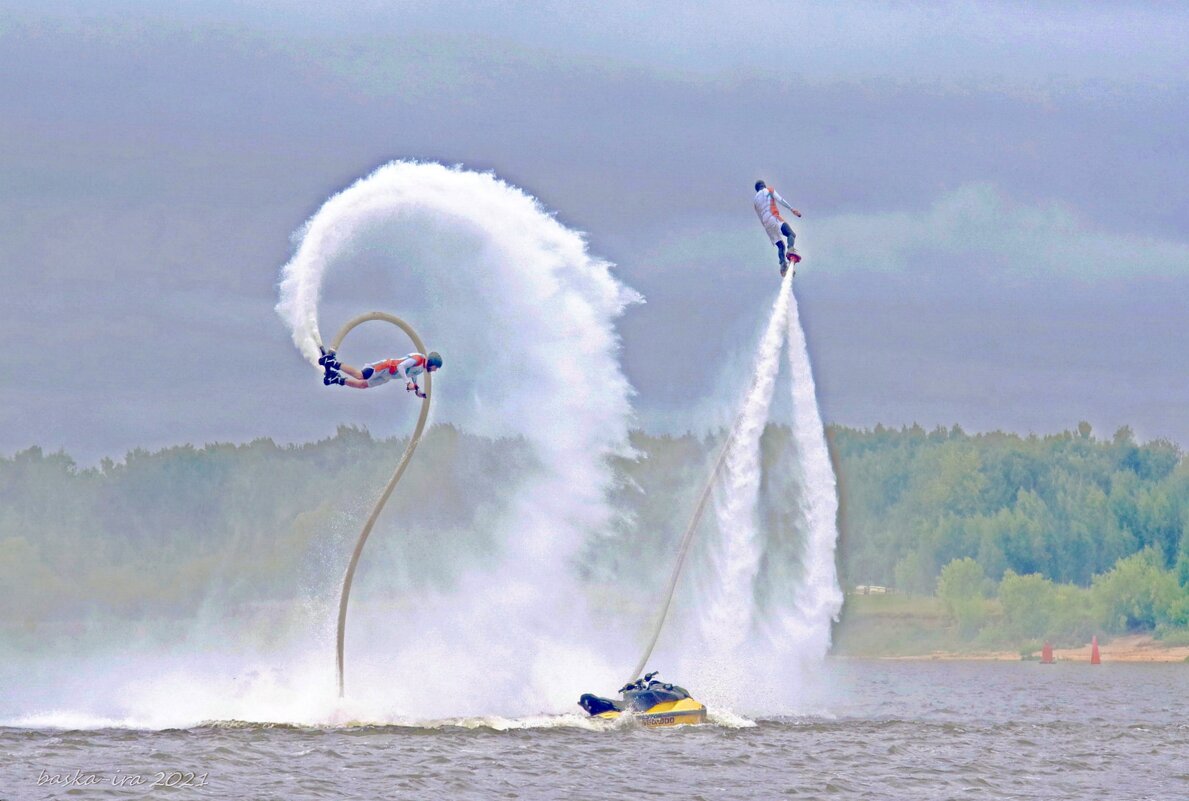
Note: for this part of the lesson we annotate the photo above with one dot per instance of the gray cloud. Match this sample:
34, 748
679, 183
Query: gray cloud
154, 160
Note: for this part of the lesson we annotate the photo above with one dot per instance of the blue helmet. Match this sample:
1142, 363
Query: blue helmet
434, 359
760, 185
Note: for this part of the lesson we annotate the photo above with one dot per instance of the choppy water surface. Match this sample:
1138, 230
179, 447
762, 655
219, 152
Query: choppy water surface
893, 730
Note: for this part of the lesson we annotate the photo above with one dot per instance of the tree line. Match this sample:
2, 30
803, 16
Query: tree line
1021, 536
999, 525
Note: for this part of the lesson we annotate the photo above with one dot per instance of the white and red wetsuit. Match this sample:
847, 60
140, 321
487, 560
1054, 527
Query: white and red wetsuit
766, 201
407, 368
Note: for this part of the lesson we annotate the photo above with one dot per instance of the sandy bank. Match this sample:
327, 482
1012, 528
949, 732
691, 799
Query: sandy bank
1132, 648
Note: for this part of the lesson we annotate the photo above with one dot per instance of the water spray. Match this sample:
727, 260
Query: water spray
817, 598
739, 550
507, 291
759, 394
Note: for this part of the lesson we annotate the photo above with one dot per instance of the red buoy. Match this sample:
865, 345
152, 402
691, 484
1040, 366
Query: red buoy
1095, 659
1046, 654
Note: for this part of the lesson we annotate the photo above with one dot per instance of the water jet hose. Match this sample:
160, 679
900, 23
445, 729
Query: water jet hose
686, 538
683, 548
396, 476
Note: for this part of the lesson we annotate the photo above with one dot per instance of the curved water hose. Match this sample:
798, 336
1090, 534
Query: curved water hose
396, 476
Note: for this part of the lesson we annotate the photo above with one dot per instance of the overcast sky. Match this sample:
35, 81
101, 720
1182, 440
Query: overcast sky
996, 198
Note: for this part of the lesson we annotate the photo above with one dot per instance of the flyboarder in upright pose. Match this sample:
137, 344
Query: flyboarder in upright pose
766, 201
376, 373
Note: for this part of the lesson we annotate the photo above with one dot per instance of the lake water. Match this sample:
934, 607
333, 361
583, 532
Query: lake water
888, 730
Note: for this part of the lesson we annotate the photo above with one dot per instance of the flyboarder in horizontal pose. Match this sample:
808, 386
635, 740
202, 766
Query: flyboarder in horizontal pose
376, 373
766, 201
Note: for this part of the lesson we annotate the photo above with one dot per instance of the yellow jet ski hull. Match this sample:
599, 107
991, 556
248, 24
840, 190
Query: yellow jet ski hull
685, 712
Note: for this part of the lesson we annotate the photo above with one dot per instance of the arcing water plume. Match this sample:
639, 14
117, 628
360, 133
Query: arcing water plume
524, 319
805, 615
726, 617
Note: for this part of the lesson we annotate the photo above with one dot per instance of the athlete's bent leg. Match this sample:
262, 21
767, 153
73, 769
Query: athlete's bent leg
787, 230
357, 378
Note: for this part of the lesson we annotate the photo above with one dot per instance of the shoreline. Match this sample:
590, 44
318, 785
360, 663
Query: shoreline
1131, 648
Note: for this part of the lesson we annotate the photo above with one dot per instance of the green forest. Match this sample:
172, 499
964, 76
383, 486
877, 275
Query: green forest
1021, 539
1016, 538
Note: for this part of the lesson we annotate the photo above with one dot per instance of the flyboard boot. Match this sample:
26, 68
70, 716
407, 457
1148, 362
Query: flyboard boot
327, 360
330, 367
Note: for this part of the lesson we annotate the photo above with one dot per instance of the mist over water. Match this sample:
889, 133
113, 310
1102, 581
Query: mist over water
525, 319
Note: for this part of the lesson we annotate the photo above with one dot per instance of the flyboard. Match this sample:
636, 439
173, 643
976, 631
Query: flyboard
792, 258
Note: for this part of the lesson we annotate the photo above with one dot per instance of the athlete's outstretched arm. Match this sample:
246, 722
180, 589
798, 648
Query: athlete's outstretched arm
785, 203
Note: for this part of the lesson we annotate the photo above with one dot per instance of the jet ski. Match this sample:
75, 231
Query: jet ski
652, 702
